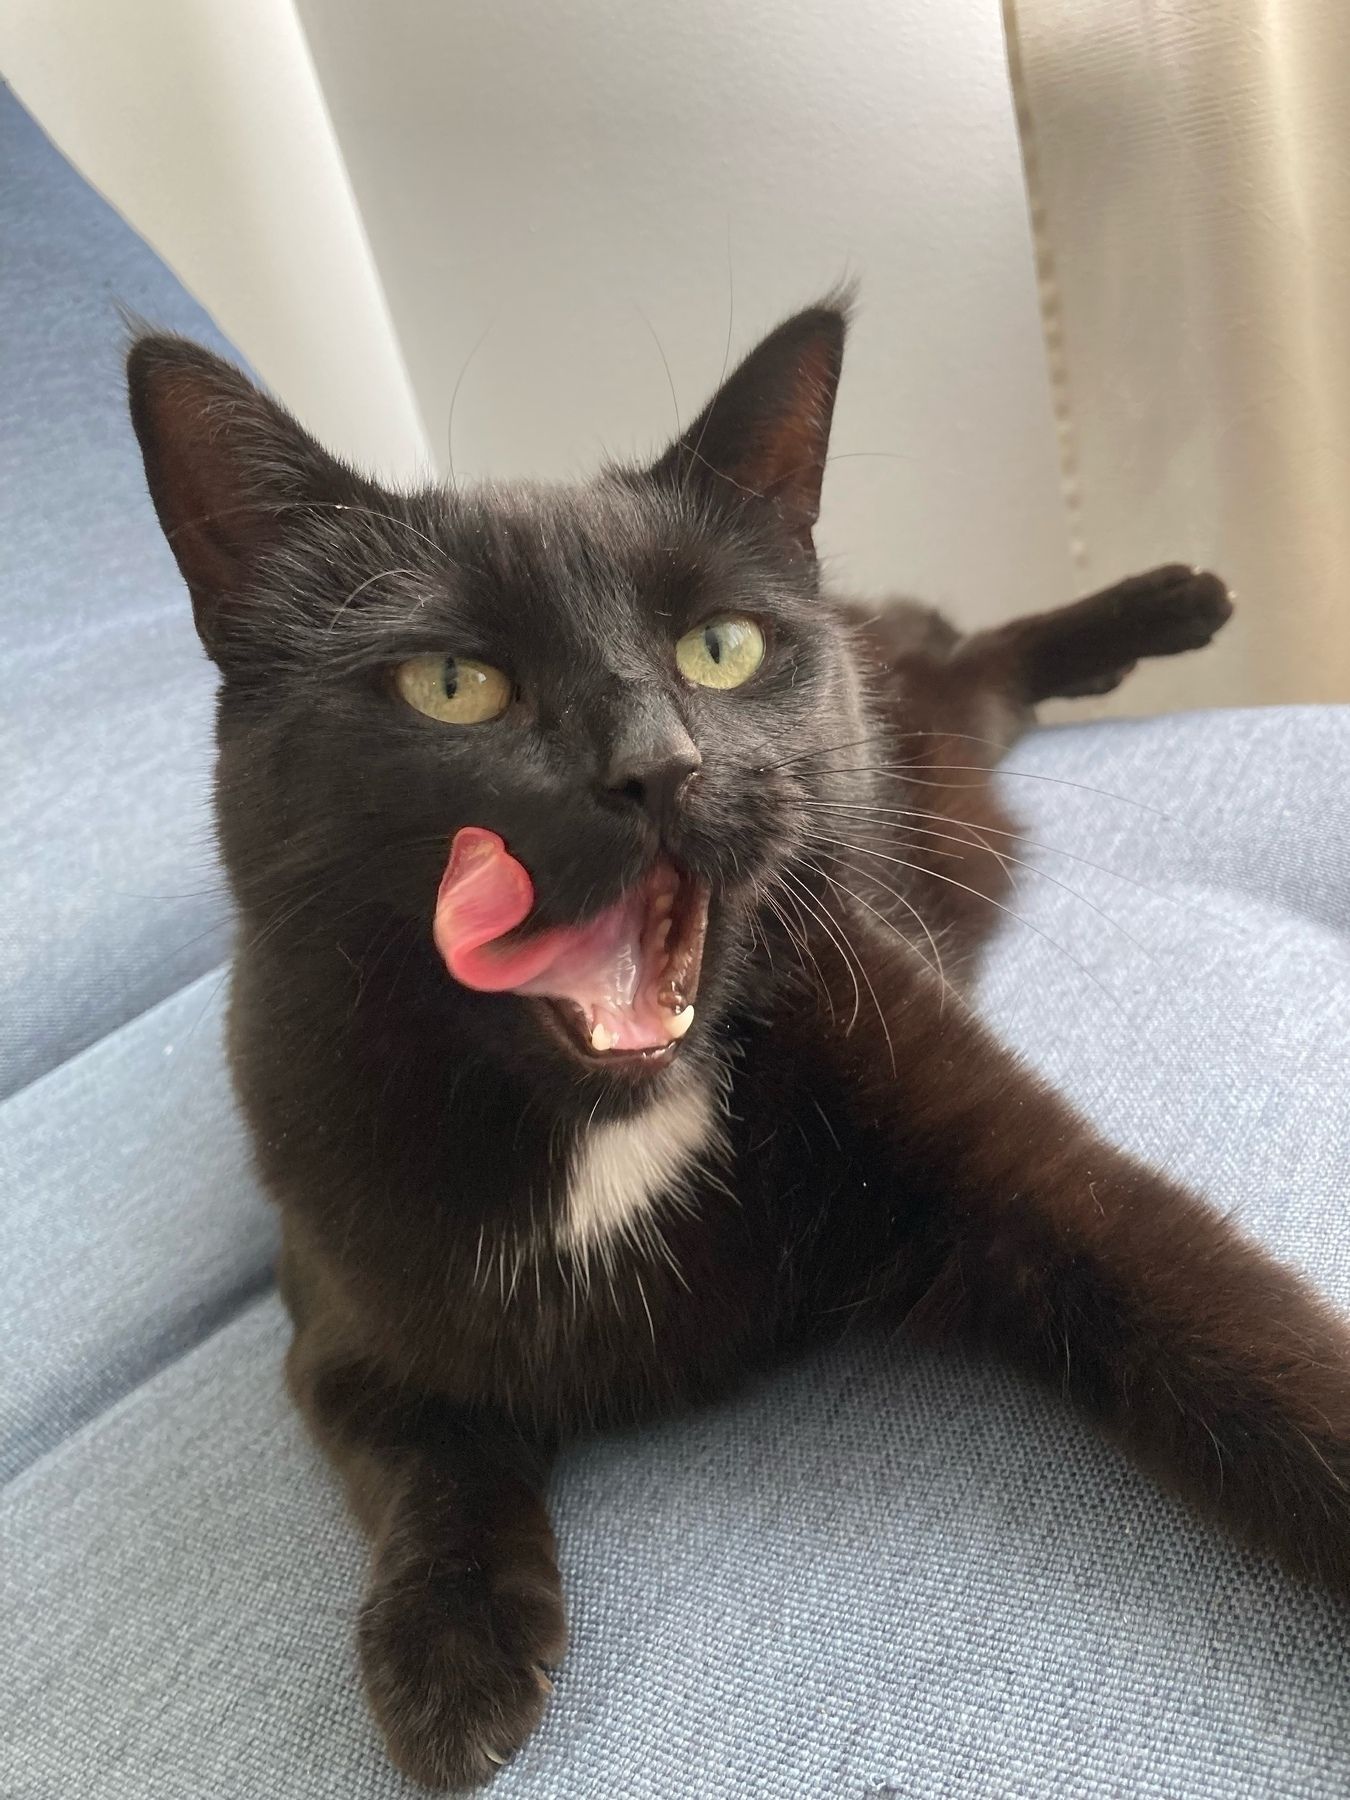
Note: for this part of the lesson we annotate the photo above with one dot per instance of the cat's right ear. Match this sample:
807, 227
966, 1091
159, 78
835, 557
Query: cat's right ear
226, 466
763, 438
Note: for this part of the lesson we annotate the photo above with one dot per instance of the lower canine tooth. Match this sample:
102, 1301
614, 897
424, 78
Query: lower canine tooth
602, 1038
680, 1022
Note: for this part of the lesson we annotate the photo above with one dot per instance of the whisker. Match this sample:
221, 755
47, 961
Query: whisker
910, 830
890, 736
799, 939
831, 750
820, 918
726, 350
905, 771
665, 364
848, 950
1032, 843
1005, 857
862, 970
892, 927
360, 588
938, 875
454, 396
822, 838
281, 506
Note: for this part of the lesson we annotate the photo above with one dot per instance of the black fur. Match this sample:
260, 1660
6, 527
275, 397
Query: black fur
871, 1152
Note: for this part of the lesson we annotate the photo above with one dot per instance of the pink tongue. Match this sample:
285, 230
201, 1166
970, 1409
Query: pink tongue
485, 893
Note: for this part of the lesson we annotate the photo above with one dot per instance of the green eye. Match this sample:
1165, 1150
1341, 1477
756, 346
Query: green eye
721, 654
453, 689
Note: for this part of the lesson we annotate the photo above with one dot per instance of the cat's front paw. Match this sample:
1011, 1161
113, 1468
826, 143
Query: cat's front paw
456, 1667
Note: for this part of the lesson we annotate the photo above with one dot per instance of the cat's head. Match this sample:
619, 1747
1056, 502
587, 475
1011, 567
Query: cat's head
603, 699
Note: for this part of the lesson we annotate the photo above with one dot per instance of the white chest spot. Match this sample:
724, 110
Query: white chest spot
622, 1170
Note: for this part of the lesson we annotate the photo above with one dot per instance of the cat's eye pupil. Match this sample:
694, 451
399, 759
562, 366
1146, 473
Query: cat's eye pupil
457, 690
712, 643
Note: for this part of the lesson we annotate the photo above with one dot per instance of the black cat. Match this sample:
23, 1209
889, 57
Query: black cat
605, 893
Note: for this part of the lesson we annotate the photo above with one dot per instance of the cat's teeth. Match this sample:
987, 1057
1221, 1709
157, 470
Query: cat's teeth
602, 1038
661, 933
663, 904
679, 1022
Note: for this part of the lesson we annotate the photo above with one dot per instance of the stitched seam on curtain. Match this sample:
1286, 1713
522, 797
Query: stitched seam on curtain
1050, 298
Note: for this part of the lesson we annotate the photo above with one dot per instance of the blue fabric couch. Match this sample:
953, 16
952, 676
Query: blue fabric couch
884, 1571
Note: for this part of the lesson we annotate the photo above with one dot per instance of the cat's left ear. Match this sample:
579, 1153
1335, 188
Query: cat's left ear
228, 469
765, 434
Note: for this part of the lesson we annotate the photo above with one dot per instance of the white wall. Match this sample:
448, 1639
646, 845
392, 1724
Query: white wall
556, 169
202, 122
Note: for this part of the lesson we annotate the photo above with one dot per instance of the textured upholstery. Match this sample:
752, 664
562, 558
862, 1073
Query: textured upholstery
128, 1225
884, 1571
111, 895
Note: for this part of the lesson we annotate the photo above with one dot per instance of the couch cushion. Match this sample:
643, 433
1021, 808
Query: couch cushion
109, 893
885, 1571
1214, 1038
130, 1225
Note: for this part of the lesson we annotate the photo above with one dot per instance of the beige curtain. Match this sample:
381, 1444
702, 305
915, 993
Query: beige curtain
1188, 165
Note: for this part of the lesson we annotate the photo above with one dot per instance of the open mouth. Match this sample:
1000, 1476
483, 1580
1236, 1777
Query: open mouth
623, 984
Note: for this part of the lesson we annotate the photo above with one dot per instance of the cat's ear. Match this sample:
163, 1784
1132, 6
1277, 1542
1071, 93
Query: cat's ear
226, 467
765, 434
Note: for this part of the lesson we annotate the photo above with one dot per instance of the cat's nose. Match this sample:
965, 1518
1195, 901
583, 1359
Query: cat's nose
653, 767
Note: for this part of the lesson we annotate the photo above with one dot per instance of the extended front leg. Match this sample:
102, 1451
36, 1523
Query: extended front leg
1090, 646
1218, 1368
463, 1613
